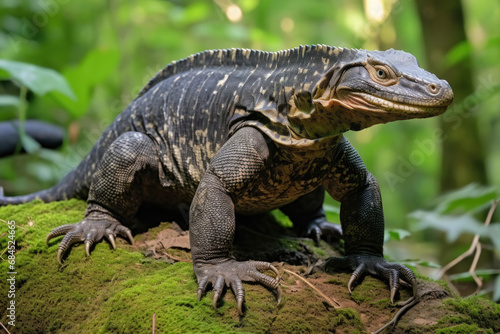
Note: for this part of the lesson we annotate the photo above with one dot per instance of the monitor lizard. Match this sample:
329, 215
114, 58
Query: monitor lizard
246, 131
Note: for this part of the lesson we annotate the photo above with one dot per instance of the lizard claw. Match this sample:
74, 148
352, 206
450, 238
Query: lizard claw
239, 293
202, 286
111, 238
233, 273
358, 273
321, 228
90, 232
218, 286
88, 243
376, 266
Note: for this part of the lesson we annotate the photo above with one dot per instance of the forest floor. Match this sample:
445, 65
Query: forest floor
122, 290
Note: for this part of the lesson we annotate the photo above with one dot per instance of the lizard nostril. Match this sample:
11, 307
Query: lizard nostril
433, 88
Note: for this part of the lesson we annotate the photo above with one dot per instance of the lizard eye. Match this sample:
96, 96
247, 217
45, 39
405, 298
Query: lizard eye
381, 74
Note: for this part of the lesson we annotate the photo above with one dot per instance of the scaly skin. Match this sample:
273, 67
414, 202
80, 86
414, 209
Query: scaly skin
245, 131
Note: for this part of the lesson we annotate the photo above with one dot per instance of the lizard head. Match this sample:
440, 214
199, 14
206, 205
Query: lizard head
380, 87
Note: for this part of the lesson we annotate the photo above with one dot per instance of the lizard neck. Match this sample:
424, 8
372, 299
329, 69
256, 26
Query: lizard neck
323, 122
316, 124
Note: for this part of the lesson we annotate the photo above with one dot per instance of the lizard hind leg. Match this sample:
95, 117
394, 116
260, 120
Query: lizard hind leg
129, 164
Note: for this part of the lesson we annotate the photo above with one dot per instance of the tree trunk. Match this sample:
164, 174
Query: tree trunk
463, 157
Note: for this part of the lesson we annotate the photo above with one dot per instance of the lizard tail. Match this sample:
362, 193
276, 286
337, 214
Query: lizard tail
69, 187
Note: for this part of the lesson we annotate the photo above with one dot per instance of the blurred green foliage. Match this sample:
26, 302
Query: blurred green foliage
107, 50
454, 216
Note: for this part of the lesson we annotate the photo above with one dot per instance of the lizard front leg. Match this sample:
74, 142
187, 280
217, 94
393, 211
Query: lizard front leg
212, 218
362, 220
129, 164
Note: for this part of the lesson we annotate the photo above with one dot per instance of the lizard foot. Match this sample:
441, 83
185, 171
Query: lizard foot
321, 228
232, 273
88, 231
375, 266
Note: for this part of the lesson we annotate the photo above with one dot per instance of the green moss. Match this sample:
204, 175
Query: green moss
336, 281
302, 313
118, 291
463, 329
474, 311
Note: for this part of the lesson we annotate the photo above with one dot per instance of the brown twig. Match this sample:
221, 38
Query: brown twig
474, 247
5, 328
406, 307
154, 323
330, 301
175, 258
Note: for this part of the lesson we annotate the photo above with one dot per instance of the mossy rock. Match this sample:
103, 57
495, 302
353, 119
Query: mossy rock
119, 291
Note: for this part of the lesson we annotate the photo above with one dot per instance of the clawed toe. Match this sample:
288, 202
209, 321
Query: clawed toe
232, 273
322, 229
358, 273
376, 266
89, 232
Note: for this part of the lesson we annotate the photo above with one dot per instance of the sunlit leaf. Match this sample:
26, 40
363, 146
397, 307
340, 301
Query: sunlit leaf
467, 199
332, 213
331, 209
193, 13
467, 277
493, 232
38, 79
496, 292
398, 234
97, 65
428, 264
30, 145
248, 5
458, 53
9, 101
416, 262
281, 218
453, 226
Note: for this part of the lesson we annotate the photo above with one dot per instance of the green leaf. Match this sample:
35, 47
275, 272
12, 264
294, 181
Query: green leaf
453, 226
281, 218
467, 277
9, 101
95, 68
428, 264
29, 144
496, 292
38, 79
398, 234
458, 53
331, 209
414, 262
332, 213
493, 232
471, 198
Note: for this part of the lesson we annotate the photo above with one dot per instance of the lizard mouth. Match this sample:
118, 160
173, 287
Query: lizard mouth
358, 100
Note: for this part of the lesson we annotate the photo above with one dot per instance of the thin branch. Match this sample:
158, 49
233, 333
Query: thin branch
472, 269
330, 301
154, 323
174, 257
475, 246
460, 257
398, 315
5, 328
